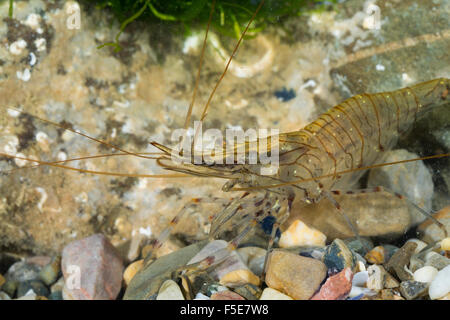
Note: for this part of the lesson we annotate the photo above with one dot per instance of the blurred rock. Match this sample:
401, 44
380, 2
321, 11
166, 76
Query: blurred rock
38, 287
50, 272
249, 291
131, 271
92, 269
226, 295
430, 232
425, 274
440, 286
411, 289
170, 291
272, 294
436, 260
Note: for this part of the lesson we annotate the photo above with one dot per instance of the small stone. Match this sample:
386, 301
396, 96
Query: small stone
226, 295
440, 286
359, 246
201, 296
336, 287
338, 256
256, 265
131, 270
389, 294
436, 260
272, 294
376, 255
376, 277
390, 282
360, 279
2, 281
10, 287
420, 244
170, 291
296, 276
56, 295
92, 269
360, 291
249, 291
4, 296
430, 232
446, 297
239, 277
425, 274
400, 259
49, 273
411, 289
58, 285
23, 271
249, 253
299, 234
212, 288
445, 244
37, 286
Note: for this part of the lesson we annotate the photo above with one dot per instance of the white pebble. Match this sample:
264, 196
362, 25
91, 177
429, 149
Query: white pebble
32, 59
440, 286
360, 278
17, 47
272, 294
20, 162
33, 20
40, 44
425, 274
445, 244
376, 277
380, 67
170, 291
299, 234
356, 291
24, 75
201, 296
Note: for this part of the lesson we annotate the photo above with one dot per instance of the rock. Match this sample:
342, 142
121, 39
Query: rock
36, 286
425, 274
436, 260
197, 282
336, 287
390, 282
131, 271
211, 288
430, 232
338, 256
379, 214
239, 277
247, 254
272, 294
412, 180
50, 272
146, 283
170, 291
360, 279
92, 269
296, 276
376, 255
389, 251
361, 292
400, 259
226, 295
440, 286
23, 271
376, 277
10, 287
359, 246
389, 294
249, 291
4, 296
420, 244
299, 234
2, 281
411, 289
56, 295
58, 285
201, 296
445, 244
256, 265
415, 263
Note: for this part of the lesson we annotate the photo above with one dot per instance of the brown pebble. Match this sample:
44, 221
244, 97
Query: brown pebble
226, 295
376, 255
396, 264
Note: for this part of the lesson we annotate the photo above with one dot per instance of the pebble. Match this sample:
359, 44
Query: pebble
400, 259
58, 285
411, 289
430, 232
436, 260
37, 286
376, 277
361, 291
440, 286
201, 296
296, 276
412, 180
336, 287
211, 288
170, 291
360, 279
23, 271
376, 255
359, 246
338, 256
425, 274
420, 244
390, 282
226, 295
56, 295
389, 294
131, 271
239, 277
92, 269
249, 291
10, 287
4, 296
299, 234
146, 283
272, 294
445, 244
50, 272
256, 265
254, 258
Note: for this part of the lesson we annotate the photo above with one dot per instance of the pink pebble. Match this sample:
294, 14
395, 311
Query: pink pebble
226, 295
336, 287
